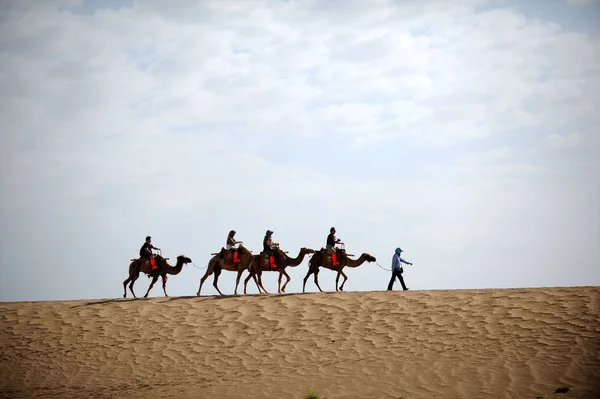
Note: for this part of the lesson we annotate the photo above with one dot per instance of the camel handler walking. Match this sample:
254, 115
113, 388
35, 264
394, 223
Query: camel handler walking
397, 269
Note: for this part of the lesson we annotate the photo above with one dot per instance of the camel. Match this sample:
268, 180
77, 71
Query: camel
223, 261
163, 269
319, 260
257, 266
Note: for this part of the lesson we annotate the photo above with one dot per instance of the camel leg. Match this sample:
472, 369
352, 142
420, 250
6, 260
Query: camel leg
317, 279
164, 281
259, 283
132, 277
286, 283
343, 282
279, 283
310, 271
252, 275
208, 273
125, 286
154, 279
131, 286
246, 282
217, 273
337, 280
237, 281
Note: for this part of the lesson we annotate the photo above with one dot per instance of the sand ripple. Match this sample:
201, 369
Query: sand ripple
514, 343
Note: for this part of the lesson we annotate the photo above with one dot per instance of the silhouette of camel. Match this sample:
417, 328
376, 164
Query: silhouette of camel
163, 268
261, 264
220, 261
322, 259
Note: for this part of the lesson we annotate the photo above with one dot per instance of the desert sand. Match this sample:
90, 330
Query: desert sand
489, 343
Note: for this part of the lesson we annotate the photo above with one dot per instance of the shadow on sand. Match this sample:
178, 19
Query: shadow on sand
219, 297
99, 302
194, 297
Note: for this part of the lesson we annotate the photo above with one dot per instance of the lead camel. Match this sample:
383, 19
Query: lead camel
322, 259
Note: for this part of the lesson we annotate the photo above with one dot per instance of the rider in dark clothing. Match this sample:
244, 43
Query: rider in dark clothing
270, 248
146, 252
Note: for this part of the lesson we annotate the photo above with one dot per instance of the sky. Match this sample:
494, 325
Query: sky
465, 132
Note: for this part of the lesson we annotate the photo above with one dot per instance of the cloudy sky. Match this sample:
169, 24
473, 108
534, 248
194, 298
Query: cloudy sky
466, 132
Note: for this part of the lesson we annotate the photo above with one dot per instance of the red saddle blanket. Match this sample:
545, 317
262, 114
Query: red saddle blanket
331, 260
232, 257
148, 265
268, 261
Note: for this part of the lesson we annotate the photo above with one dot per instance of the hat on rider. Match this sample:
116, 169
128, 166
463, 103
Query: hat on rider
269, 232
398, 250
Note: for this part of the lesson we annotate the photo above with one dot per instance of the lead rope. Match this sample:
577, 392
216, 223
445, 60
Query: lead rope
199, 267
389, 270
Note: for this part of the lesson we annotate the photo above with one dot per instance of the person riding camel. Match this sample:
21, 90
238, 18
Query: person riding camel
331, 242
231, 246
146, 252
270, 248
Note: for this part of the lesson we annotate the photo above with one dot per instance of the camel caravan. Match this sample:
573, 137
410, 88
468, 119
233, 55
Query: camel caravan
235, 257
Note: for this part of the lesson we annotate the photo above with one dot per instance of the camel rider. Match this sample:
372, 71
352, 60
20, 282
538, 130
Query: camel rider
231, 246
270, 248
331, 242
146, 252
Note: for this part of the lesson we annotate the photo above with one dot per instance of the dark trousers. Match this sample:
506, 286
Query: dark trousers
396, 273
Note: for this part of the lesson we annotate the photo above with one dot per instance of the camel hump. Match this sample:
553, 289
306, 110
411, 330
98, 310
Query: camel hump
217, 253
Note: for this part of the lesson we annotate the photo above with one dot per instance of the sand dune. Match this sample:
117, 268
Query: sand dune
511, 343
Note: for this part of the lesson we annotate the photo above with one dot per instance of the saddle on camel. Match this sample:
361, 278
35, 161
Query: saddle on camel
269, 260
331, 260
149, 265
229, 255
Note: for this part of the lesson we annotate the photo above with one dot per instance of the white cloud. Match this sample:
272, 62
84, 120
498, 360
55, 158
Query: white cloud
407, 123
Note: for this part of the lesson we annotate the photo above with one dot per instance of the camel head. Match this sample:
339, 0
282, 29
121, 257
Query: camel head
370, 258
184, 259
307, 250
